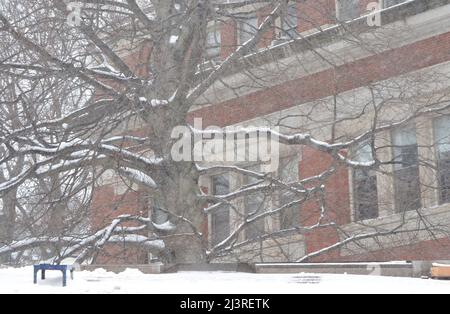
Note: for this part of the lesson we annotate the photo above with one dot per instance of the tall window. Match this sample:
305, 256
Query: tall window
365, 189
290, 217
442, 140
289, 21
391, 3
254, 206
347, 10
406, 169
213, 41
220, 219
247, 29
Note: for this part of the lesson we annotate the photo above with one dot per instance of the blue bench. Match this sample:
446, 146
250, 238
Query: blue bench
44, 267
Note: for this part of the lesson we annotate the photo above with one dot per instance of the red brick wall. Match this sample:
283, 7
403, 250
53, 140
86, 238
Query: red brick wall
228, 34
315, 13
363, 5
106, 207
422, 251
336, 200
411, 57
269, 36
138, 61
356, 74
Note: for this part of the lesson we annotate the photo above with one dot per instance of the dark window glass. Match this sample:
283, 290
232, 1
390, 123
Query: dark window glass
406, 170
442, 140
365, 189
213, 41
289, 21
254, 206
247, 29
220, 219
289, 218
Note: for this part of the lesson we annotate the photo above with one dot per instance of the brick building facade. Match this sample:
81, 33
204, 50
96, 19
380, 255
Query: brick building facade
417, 43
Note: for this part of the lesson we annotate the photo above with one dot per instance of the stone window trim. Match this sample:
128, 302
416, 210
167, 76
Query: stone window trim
428, 137
271, 222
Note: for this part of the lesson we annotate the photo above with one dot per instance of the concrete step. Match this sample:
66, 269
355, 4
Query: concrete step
395, 269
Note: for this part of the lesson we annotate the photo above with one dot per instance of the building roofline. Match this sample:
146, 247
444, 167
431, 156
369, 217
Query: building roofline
330, 35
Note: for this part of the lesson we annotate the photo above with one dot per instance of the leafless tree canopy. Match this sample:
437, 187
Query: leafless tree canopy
81, 103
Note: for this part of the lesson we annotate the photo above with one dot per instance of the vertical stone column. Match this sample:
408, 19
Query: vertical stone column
427, 158
385, 178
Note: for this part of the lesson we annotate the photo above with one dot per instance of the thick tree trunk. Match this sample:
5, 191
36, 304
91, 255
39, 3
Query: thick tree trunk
8, 223
180, 197
186, 250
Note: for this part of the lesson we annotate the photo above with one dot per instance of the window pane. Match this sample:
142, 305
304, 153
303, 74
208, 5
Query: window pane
363, 153
289, 218
442, 140
221, 185
247, 28
220, 219
366, 195
254, 205
405, 147
290, 21
213, 44
406, 170
348, 9
365, 188
442, 134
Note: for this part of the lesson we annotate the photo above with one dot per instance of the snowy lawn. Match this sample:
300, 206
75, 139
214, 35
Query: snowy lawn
133, 281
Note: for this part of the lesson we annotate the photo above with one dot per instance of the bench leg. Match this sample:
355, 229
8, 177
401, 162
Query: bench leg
43, 274
71, 274
35, 276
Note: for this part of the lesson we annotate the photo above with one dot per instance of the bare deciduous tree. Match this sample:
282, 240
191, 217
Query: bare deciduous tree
70, 95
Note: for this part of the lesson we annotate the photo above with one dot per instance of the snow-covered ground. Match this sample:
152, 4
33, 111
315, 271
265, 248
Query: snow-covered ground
132, 281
